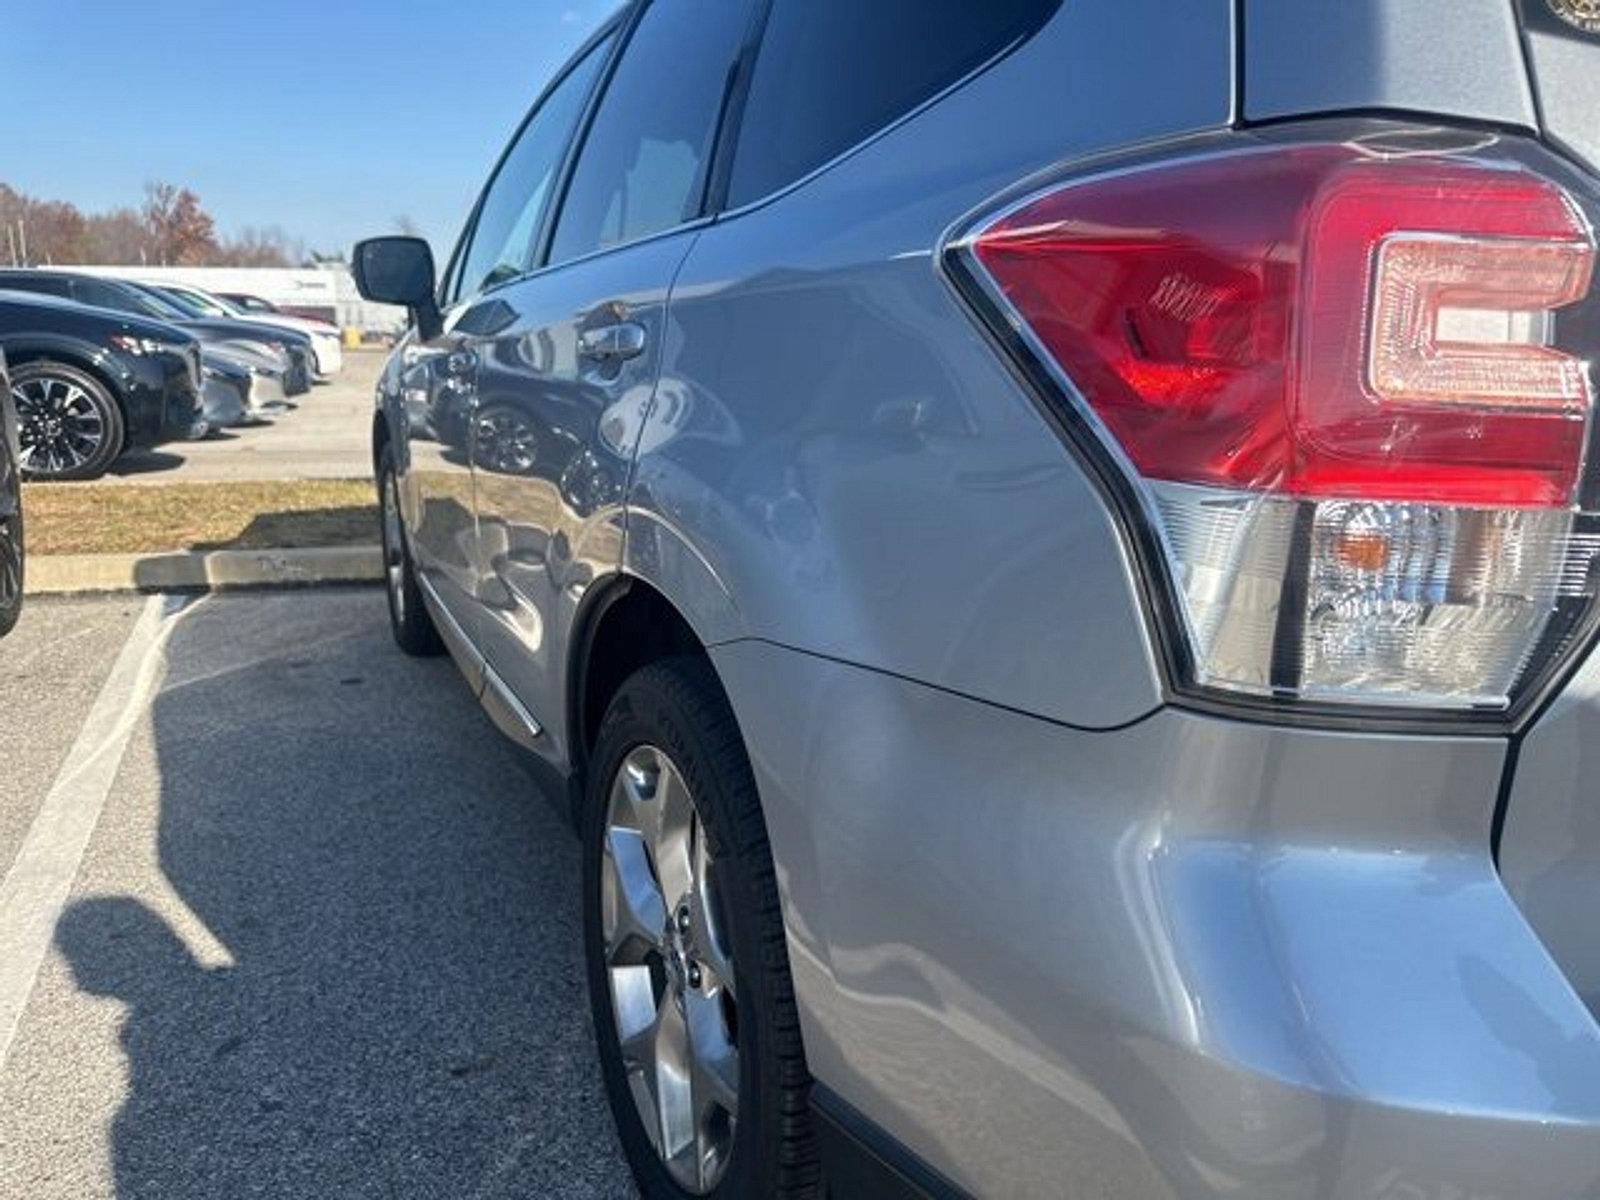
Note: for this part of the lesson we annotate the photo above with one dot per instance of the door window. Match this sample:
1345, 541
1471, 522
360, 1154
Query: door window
643, 165
106, 295
509, 217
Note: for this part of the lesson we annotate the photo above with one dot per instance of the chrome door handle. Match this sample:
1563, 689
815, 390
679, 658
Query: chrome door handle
612, 343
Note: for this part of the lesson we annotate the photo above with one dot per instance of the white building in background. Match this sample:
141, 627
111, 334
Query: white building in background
327, 291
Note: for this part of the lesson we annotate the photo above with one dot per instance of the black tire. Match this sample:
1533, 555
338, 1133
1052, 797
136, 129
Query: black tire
11, 539
409, 619
678, 707
93, 403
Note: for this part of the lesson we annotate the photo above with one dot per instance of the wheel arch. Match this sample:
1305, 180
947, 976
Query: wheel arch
81, 357
625, 624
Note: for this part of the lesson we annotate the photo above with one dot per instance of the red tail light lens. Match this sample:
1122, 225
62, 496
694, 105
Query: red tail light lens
1335, 379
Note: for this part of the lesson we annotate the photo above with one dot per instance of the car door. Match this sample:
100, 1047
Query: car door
567, 359
439, 375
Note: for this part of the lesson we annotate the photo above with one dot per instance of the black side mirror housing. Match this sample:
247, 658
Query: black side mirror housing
399, 270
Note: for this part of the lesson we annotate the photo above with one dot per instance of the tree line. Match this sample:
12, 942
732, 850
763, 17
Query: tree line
171, 228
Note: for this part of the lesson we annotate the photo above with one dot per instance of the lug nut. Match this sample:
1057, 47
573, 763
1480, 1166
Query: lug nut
694, 975
683, 919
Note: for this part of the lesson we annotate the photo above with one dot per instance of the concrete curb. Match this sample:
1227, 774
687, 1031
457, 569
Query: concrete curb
202, 570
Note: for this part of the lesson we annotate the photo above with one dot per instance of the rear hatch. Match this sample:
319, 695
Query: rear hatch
1563, 40
1549, 848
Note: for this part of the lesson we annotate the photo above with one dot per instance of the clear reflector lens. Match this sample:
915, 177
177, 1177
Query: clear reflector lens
1421, 603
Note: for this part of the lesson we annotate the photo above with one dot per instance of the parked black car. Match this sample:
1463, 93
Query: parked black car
11, 549
89, 385
140, 300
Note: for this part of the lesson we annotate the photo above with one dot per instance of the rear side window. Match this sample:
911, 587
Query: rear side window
47, 285
832, 72
643, 165
509, 218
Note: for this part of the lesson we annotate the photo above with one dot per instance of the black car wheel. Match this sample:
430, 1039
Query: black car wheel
413, 627
694, 1007
11, 555
71, 425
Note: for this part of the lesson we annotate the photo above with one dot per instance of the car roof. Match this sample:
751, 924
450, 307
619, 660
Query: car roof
11, 296
49, 273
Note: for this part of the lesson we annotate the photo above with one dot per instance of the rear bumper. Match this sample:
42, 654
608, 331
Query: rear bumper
163, 400
1550, 846
266, 389
297, 380
1185, 958
329, 353
225, 403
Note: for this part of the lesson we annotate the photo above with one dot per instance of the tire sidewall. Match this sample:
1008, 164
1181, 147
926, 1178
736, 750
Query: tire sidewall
646, 713
415, 633
12, 481
110, 414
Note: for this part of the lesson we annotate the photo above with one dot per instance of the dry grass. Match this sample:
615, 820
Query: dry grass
114, 518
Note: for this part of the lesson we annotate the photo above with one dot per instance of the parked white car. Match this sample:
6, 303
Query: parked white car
326, 346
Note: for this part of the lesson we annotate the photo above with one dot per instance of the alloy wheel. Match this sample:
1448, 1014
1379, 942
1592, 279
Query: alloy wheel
62, 428
394, 560
670, 969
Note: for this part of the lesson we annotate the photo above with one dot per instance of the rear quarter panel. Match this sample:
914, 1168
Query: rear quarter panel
836, 460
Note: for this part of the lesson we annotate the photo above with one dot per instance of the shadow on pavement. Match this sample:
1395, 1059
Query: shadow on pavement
346, 525
404, 1014
146, 462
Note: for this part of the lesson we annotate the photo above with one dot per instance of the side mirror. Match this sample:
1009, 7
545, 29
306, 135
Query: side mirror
399, 270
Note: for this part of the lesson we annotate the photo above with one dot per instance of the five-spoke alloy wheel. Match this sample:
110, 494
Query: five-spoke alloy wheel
693, 1004
670, 970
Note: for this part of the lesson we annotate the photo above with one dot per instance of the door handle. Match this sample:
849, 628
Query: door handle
614, 343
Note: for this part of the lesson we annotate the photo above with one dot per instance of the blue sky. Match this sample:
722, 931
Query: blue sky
330, 118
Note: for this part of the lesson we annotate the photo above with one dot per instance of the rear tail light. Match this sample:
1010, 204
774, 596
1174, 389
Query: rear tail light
1338, 384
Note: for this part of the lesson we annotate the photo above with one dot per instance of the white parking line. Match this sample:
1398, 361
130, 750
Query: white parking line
36, 888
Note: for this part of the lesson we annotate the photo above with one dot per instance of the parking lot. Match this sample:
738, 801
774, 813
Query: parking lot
328, 435
280, 915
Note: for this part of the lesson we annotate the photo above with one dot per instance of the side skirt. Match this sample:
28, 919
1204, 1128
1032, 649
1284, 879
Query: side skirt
563, 792
862, 1162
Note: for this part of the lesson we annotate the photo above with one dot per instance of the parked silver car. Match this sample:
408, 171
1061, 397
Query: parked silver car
1054, 549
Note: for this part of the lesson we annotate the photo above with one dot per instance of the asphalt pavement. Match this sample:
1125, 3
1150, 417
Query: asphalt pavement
281, 915
328, 435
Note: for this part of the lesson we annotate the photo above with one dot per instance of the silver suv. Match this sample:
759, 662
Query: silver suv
1052, 549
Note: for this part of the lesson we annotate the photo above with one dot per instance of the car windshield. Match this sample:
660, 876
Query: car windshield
160, 305
181, 301
215, 305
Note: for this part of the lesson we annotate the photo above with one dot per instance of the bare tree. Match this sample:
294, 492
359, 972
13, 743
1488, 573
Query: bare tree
253, 246
119, 237
181, 231
172, 228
